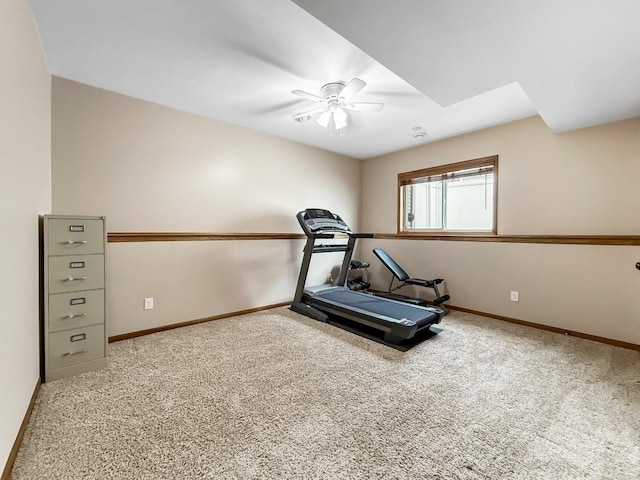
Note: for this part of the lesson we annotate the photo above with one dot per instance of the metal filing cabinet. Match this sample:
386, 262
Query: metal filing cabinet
74, 304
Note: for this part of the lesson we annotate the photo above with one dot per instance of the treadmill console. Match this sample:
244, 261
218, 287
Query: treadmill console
317, 220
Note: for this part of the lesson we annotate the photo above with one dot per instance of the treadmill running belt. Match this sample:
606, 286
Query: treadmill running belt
369, 303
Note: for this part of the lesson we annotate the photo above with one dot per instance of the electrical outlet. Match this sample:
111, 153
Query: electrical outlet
514, 296
148, 303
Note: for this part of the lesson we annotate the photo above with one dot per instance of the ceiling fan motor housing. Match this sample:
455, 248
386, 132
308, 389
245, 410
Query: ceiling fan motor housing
331, 91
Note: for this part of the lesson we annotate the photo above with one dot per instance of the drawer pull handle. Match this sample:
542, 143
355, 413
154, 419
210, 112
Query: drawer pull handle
71, 315
75, 242
74, 353
71, 279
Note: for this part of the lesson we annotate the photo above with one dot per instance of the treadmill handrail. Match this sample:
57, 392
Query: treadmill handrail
361, 235
330, 248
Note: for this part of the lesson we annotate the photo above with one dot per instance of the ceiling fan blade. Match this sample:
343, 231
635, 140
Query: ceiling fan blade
353, 87
307, 95
364, 107
310, 113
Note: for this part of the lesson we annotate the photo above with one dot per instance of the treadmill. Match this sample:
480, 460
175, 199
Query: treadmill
397, 322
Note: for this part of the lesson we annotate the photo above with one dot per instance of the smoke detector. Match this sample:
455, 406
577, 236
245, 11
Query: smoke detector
418, 133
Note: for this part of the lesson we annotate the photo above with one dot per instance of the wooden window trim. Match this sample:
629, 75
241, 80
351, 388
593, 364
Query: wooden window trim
405, 178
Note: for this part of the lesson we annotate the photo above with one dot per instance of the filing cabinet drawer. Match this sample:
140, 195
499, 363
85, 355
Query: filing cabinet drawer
75, 310
73, 236
76, 346
76, 272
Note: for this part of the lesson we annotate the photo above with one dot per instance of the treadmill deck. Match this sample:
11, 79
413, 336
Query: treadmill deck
386, 310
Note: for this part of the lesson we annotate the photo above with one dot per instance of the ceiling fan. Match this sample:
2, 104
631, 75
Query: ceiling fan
334, 99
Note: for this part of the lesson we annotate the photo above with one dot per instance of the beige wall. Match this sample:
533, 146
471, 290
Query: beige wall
577, 183
25, 192
152, 168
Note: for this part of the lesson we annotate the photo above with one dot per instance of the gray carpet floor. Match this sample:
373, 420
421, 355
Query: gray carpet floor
277, 395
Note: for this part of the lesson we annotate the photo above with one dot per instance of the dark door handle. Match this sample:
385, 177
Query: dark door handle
638, 265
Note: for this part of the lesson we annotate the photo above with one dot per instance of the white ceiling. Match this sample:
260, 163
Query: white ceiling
449, 67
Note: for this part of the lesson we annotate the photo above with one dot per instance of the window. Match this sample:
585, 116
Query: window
459, 197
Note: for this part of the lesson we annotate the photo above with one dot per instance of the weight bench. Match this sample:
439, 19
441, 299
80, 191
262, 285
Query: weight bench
405, 280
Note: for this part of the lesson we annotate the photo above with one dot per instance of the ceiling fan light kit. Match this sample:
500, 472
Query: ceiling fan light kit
334, 102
